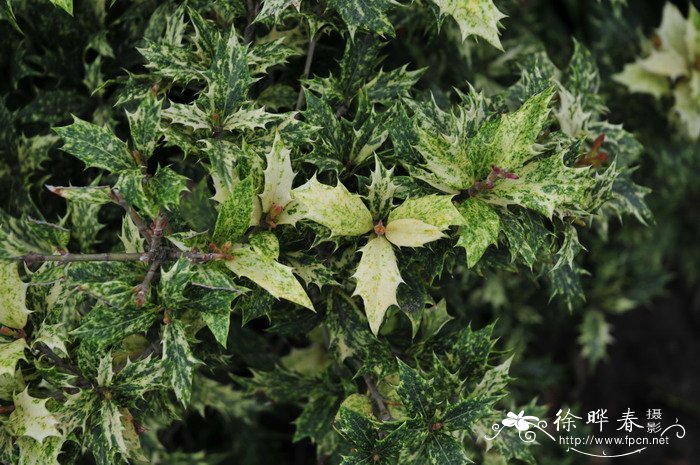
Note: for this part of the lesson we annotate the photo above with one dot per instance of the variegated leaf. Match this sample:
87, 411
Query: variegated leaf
13, 295
474, 17
31, 418
96, 146
278, 178
480, 229
336, 208
275, 278
178, 361
377, 278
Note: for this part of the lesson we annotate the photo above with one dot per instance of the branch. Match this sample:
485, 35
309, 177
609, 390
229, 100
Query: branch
58, 361
249, 32
155, 255
307, 69
169, 255
117, 198
384, 414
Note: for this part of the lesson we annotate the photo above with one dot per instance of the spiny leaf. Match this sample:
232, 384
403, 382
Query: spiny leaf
474, 17
13, 291
481, 227
278, 177
236, 212
377, 279
96, 146
31, 418
336, 208
178, 360
275, 278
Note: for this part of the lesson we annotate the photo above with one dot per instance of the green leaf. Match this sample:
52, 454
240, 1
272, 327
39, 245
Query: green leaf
311, 269
137, 378
96, 146
228, 78
172, 284
480, 229
380, 195
377, 279
144, 124
99, 195
275, 278
105, 326
166, 186
66, 5
32, 452
546, 186
13, 296
336, 208
494, 382
106, 439
474, 17
265, 243
236, 212
178, 361
416, 393
594, 337
215, 308
31, 418
443, 449
366, 15
465, 412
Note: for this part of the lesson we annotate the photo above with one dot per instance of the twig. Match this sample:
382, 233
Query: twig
117, 198
58, 361
82, 257
155, 256
142, 289
384, 414
249, 31
307, 69
169, 255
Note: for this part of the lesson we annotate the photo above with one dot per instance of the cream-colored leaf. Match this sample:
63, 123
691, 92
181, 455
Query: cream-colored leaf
278, 177
474, 17
31, 418
275, 278
671, 32
10, 354
377, 278
665, 63
336, 208
638, 79
409, 232
435, 210
688, 107
13, 297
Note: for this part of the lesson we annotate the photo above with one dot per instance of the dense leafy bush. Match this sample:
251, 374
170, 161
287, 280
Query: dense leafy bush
266, 213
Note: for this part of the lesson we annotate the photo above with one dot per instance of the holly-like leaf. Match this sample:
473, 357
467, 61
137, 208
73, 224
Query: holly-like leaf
13, 291
377, 278
275, 278
278, 177
178, 361
409, 232
10, 354
336, 208
435, 210
96, 146
443, 449
173, 282
594, 337
98, 195
228, 78
31, 418
481, 227
32, 452
236, 212
380, 195
365, 15
66, 5
474, 17
144, 124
